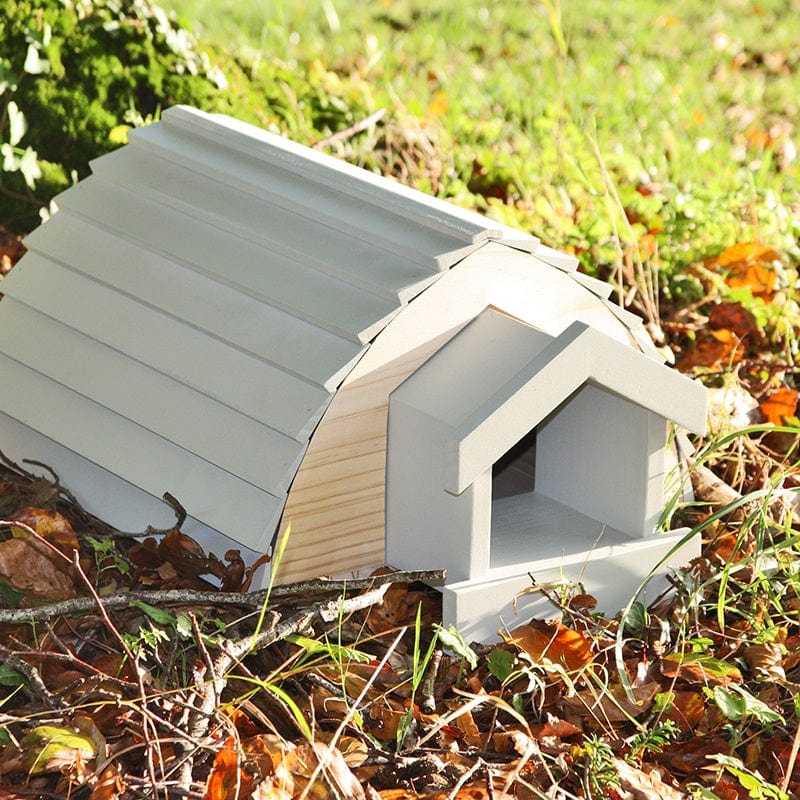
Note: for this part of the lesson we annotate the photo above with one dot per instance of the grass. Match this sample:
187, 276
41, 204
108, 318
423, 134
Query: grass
498, 105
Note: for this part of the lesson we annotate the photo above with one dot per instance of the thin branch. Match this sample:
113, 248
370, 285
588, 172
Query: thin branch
306, 590
357, 127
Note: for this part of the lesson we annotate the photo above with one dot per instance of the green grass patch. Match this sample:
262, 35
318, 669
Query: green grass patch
498, 105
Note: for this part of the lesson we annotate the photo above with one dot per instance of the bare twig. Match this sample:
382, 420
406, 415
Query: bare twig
357, 127
280, 594
14, 661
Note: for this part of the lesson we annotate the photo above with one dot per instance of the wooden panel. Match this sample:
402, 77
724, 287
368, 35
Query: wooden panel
419, 225
190, 419
228, 314
336, 503
165, 344
362, 263
320, 299
208, 493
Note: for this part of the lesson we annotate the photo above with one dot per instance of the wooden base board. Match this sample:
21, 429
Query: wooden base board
478, 609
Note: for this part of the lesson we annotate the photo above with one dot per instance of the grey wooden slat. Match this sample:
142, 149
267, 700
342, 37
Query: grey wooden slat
277, 337
309, 242
320, 299
209, 494
319, 187
205, 427
169, 346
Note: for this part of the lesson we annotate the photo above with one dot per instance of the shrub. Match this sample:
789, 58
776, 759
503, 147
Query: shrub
71, 73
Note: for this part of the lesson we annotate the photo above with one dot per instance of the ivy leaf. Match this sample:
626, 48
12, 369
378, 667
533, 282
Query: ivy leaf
11, 677
737, 703
501, 663
9, 595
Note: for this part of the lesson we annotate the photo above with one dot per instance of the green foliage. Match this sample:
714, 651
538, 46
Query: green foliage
74, 71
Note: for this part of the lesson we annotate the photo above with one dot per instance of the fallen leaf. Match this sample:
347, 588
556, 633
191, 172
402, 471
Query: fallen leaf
614, 705
766, 661
736, 319
26, 564
643, 785
686, 709
687, 757
555, 642
50, 525
698, 668
472, 791
780, 405
749, 265
711, 353
110, 784
54, 748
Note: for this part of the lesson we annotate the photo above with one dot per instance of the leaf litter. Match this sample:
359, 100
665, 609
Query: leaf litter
137, 665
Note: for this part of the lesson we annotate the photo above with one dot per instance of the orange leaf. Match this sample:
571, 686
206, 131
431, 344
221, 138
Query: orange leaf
687, 709
438, 105
226, 776
750, 266
780, 405
50, 525
711, 353
555, 642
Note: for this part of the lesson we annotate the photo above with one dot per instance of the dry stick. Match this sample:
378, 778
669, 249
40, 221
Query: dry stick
428, 701
464, 779
34, 678
792, 759
75, 562
359, 126
292, 591
128, 653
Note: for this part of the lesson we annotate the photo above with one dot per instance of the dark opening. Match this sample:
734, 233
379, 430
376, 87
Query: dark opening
514, 473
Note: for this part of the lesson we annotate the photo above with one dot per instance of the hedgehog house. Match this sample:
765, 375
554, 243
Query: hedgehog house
280, 339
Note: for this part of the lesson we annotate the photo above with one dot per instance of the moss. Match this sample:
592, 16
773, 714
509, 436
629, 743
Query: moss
78, 69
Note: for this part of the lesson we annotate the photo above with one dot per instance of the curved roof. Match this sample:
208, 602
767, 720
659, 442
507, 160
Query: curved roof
186, 316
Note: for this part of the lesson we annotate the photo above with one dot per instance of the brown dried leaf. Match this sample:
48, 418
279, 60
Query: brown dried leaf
613, 704
643, 785
472, 791
766, 661
736, 319
712, 353
110, 785
331, 781
27, 565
